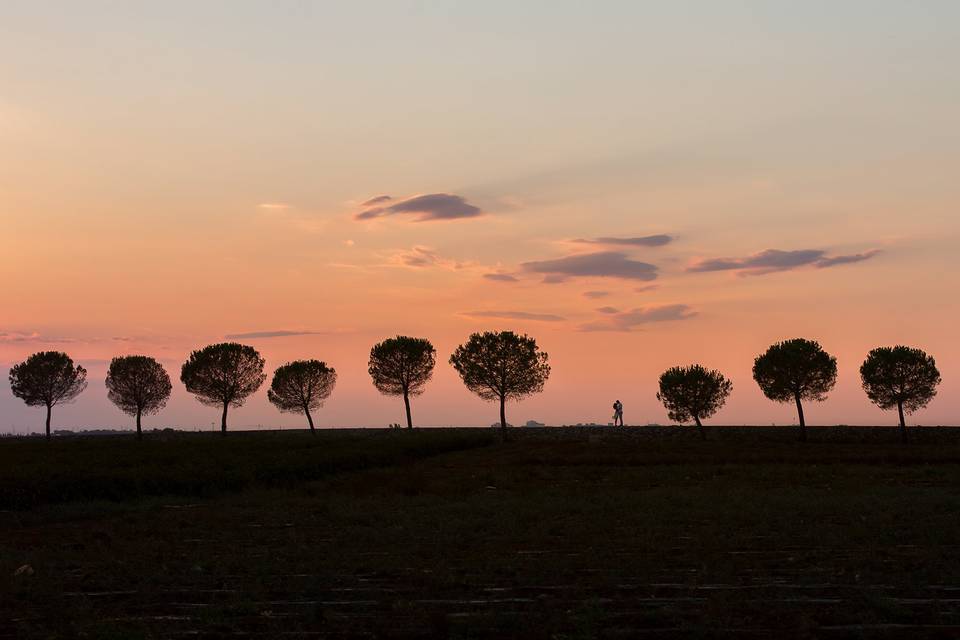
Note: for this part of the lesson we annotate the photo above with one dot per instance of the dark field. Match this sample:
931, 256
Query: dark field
562, 533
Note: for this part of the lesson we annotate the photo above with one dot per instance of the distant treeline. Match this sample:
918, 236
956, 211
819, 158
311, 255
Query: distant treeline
496, 366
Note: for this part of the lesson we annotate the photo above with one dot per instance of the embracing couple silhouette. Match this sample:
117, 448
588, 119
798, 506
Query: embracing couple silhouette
617, 413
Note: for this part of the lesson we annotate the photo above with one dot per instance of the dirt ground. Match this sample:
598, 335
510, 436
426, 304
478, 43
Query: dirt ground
573, 533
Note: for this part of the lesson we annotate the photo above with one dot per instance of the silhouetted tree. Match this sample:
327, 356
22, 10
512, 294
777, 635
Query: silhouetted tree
223, 375
501, 366
47, 378
796, 370
693, 393
302, 386
901, 377
402, 366
138, 385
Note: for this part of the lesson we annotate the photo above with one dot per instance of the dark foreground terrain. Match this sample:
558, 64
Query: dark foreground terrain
561, 533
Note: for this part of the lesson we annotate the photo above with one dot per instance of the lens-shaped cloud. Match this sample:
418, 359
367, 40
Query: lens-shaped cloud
775, 260
432, 206
279, 333
604, 264
628, 320
641, 241
515, 315
500, 277
848, 259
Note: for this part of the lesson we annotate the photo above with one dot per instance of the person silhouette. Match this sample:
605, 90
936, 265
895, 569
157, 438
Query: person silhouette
617, 413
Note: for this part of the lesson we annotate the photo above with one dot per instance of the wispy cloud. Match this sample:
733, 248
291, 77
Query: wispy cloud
376, 200
18, 336
515, 315
432, 206
848, 259
281, 333
646, 287
283, 213
775, 260
604, 264
608, 310
640, 241
628, 320
33, 336
420, 257
500, 277
595, 294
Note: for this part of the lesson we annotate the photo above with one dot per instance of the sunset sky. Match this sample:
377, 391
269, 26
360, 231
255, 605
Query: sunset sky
635, 184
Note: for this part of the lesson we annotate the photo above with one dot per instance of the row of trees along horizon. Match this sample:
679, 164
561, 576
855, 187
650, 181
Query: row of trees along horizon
496, 366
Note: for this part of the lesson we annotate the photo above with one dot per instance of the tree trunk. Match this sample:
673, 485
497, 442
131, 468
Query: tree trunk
406, 402
503, 419
49, 407
803, 425
223, 419
139, 431
903, 424
703, 434
306, 410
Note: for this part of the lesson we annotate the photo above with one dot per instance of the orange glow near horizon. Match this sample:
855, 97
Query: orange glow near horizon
311, 196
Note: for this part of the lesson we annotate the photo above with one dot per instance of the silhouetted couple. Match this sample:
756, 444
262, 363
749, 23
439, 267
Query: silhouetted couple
617, 413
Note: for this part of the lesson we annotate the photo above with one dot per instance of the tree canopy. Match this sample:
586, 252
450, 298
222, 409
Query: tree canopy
501, 366
138, 385
402, 366
302, 386
47, 378
693, 393
796, 370
224, 375
901, 377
